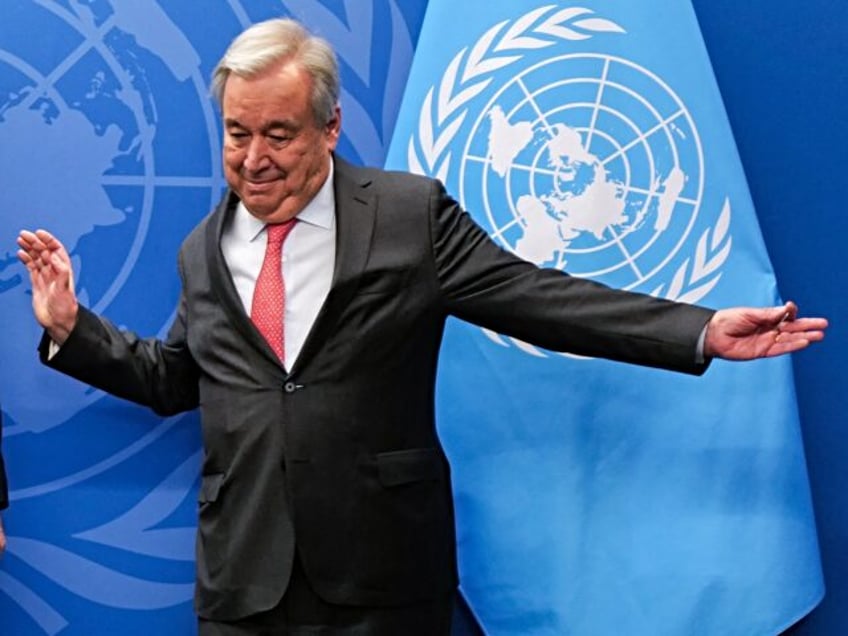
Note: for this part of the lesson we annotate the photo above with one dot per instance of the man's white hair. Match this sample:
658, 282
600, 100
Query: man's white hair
267, 43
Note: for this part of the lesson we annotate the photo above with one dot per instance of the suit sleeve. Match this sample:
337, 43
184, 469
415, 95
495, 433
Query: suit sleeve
155, 373
490, 287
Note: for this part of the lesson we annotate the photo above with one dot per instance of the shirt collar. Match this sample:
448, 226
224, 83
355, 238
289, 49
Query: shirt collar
320, 211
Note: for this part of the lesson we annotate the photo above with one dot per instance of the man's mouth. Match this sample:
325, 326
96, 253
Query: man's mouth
259, 184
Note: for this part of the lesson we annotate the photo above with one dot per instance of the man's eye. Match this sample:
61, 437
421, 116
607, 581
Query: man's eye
278, 139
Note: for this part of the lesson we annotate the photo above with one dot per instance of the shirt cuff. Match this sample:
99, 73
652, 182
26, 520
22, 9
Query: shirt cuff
700, 358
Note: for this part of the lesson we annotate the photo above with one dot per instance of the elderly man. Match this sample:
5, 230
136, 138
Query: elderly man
308, 330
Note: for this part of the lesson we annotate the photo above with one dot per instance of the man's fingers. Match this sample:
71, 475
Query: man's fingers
45, 236
39, 241
44, 257
790, 343
790, 311
803, 324
50, 241
784, 347
61, 269
26, 258
797, 340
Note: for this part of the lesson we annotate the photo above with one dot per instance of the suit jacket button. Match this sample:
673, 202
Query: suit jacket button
289, 387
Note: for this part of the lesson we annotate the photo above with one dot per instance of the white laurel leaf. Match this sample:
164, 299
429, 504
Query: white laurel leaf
714, 263
704, 264
494, 63
479, 51
722, 225
461, 98
599, 25
567, 14
425, 128
527, 43
515, 37
446, 86
412, 158
677, 283
658, 291
700, 256
565, 33
521, 26
448, 134
694, 295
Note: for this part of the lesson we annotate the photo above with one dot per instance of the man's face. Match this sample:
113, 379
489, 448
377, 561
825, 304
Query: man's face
276, 156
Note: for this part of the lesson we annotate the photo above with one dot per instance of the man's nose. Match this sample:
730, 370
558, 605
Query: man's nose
257, 154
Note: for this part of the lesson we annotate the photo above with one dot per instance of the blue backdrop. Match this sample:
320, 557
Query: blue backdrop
780, 67
108, 137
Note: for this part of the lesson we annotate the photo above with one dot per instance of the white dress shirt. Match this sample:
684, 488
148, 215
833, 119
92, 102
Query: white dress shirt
309, 256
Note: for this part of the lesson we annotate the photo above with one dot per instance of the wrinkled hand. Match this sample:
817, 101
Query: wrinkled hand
746, 333
54, 301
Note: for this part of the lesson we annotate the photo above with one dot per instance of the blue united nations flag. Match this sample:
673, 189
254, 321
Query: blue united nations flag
592, 497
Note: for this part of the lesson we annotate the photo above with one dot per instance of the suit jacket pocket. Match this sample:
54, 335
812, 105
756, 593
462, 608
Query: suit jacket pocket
407, 466
210, 486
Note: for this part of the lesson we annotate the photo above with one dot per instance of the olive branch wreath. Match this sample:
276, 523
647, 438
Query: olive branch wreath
469, 73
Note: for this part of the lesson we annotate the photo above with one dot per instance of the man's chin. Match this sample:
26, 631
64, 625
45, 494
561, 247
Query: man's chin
261, 204
268, 209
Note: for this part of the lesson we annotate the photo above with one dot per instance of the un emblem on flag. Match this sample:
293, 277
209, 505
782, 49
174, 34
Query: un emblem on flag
580, 161
599, 173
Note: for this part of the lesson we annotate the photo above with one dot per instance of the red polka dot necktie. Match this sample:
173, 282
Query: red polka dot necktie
268, 308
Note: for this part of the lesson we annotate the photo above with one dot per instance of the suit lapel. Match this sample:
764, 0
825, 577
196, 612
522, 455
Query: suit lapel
356, 209
355, 216
222, 283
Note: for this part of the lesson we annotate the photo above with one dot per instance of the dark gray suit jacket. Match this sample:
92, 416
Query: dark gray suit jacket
339, 455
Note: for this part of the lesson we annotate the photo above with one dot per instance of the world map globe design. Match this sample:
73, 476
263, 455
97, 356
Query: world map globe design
109, 139
599, 172
89, 130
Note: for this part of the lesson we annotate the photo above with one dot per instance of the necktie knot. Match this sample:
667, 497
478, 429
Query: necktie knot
277, 232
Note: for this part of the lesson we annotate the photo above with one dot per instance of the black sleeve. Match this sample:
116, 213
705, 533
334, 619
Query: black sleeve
160, 374
492, 288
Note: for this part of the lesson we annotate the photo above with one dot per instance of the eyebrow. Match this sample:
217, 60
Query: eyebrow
275, 124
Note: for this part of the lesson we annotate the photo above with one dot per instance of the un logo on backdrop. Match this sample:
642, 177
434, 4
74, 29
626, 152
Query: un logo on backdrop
87, 141
585, 162
93, 131
108, 138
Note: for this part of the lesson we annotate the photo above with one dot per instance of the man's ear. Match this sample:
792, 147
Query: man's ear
333, 129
